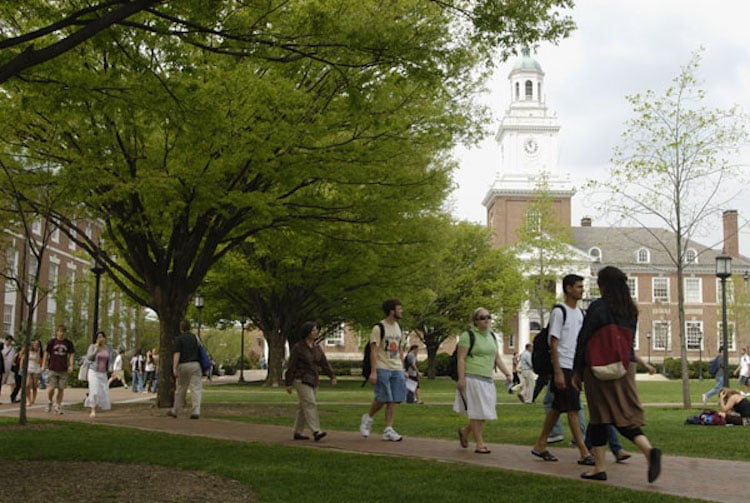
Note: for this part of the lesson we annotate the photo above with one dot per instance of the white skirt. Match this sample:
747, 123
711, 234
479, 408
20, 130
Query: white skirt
478, 400
98, 391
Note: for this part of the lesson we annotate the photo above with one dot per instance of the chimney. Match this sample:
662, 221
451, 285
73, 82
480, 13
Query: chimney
731, 233
586, 222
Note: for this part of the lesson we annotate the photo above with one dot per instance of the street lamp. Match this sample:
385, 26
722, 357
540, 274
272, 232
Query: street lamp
648, 342
97, 267
243, 319
199, 306
723, 271
700, 355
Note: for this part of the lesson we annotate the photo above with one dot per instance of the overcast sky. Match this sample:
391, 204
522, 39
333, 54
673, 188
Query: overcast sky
620, 48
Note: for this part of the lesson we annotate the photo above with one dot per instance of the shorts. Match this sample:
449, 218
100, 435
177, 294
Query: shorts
117, 374
56, 379
744, 380
391, 386
568, 399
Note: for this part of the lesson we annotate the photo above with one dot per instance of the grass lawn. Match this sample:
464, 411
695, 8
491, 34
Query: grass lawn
278, 473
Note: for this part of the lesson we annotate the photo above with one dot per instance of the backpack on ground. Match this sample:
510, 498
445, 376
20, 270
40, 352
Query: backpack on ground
713, 367
541, 358
366, 363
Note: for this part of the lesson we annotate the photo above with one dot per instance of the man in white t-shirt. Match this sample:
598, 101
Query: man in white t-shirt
117, 372
744, 370
563, 332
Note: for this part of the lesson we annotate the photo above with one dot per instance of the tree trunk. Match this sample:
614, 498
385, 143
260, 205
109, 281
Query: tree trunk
169, 328
276, 352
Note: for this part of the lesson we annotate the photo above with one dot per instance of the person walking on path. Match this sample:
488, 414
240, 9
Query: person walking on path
59, 356
413, 375
613, 401
717, 365
476, 395
743, 370
306, 361
100, 356
563, 335
117, 373
186, 369
136, 367
528, 378
34, 371
387, 370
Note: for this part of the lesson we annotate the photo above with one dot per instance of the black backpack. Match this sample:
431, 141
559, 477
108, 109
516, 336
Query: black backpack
714, 366
541, 359
366, 364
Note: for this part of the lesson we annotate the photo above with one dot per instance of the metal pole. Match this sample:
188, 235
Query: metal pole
700, 357
242, 351
724, 329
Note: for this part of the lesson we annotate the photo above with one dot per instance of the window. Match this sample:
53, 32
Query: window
642, 256
730, 291
52, 282
36, 226
596, 254
691, 256
693, 291
533, 220
539, 91
336, 336
662, 337
694, 332
8, 319
529, 90
518, 91
660, 288
730, 336
633, 285
11, 271
55, 236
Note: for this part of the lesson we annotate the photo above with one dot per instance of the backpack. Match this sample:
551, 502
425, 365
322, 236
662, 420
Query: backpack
453, 361
366, 364
541, 359
713, 367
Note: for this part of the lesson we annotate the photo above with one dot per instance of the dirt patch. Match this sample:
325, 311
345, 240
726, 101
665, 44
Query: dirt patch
73, 482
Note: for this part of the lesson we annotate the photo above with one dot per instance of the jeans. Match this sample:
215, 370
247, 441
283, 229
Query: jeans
137, 381
717, 387
549, 397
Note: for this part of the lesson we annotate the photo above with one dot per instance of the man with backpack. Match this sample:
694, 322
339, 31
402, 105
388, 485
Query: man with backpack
563, 337
716, 369
386, 370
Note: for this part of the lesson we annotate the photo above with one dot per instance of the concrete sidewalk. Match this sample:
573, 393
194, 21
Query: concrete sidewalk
708, 479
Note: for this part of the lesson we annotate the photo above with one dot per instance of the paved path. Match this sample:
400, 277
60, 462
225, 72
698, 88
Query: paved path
712, 480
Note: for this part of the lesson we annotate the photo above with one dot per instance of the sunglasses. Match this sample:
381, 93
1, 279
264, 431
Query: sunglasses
484, 317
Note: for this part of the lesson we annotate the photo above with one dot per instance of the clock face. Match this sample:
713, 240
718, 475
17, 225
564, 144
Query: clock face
531, 146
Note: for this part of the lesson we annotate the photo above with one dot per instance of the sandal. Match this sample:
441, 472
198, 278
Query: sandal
654, 464
462, 439
546, 455
482, 450
588, 461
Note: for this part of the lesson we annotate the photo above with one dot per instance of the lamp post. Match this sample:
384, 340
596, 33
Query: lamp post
243, 319
97, 267
199, 306
648, 343
700, 355
723, 271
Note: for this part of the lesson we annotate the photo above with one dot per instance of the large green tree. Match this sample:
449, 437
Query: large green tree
188, 128
674, 168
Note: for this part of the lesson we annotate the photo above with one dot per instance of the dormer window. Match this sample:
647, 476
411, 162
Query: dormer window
643, 256
691, 256
596, 254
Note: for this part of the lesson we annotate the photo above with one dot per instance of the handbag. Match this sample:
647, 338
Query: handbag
204, 358
83, 372
608, 352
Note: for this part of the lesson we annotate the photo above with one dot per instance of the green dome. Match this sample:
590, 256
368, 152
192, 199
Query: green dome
526, 62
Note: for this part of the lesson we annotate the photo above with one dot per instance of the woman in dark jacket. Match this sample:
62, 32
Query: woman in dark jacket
616, 401
305, 362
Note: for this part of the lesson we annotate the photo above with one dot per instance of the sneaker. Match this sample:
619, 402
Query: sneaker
49, 407
555, 438
59, 409
390, 434
365, 426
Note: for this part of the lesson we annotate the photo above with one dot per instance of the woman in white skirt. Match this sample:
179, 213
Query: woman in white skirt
476, 396
101, 358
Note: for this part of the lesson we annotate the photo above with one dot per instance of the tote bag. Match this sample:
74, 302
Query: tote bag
608, 352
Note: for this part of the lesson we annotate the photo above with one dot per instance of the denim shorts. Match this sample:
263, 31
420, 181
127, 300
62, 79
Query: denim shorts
391, 386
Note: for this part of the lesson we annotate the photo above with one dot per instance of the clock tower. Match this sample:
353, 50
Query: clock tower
528, 140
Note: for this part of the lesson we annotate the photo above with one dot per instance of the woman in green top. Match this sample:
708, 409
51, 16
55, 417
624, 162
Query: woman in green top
476, 395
